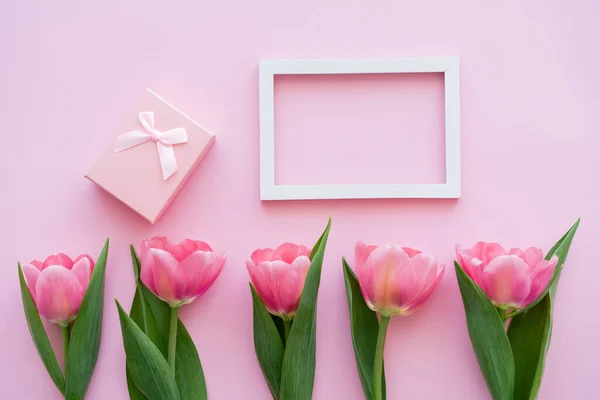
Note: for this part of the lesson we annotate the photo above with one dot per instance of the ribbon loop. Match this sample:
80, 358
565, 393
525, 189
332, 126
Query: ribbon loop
164, 141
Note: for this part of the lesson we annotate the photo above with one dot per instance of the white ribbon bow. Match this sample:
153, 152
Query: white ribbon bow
164, 141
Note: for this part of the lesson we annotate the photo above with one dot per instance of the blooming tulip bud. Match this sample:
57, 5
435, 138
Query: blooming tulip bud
512, 279
179, 273
395, 280
58, 285
278, 277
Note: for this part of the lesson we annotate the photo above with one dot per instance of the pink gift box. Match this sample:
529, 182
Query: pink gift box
136, 173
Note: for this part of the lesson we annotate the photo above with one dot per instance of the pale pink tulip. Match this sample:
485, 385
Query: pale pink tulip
179, 273
395, 280
512, 279
278, 277
58, 285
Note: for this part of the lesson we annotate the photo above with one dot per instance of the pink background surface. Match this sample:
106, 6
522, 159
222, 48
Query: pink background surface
529, 86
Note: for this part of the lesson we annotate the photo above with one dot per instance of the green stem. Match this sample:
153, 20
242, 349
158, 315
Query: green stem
172, 338
287, 325
378, 366
66, 334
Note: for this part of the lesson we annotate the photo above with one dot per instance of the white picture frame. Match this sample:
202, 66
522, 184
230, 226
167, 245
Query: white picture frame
449, 66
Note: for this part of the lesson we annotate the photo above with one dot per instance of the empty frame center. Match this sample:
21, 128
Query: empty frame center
359, 129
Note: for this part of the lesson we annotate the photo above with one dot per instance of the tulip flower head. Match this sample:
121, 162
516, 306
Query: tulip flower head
179, 273
58, 285
512, 279
278, 277
395, 280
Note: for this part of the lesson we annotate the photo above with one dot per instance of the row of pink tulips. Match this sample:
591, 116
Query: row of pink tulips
394, 280
497, 285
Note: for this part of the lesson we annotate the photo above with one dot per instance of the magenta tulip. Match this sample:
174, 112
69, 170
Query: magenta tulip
278, 277
512, 279
58, 285
179, 273
395, 280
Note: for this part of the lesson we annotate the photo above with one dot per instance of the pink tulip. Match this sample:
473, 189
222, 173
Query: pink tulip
58, 285
513, 279
278, 277
179, 273
395, 280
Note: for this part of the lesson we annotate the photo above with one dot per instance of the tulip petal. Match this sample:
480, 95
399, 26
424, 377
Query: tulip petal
38, 264
362, 252
486, 252
31, 277
59, 259
82, 269
470, 266
541, 276
261, 255
147, 272
531, 255
410, 252
59, 294
260, 275
278, 273
198, 272
411, 278
163, 265
290, 251
157, 242
506, 280
431, 278
291, 284
391, 271
186, 247
212, 273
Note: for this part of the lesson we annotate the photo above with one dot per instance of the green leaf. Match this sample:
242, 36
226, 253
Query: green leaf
86, 333
528, 334
298, 371
280, 326
135, 261
488, 338
160, 310
188, 369
39, 336
364, 327
138, 315
148, 367
561, 250
134, 392
317, 245
268, 344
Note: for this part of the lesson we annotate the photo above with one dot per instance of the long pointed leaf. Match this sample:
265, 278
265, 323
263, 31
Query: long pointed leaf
561, 250
189, 375
137, 315
267, 344
148, 367
488, 338
39, 335
298, 371
364, 327
530, 332
86, 333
